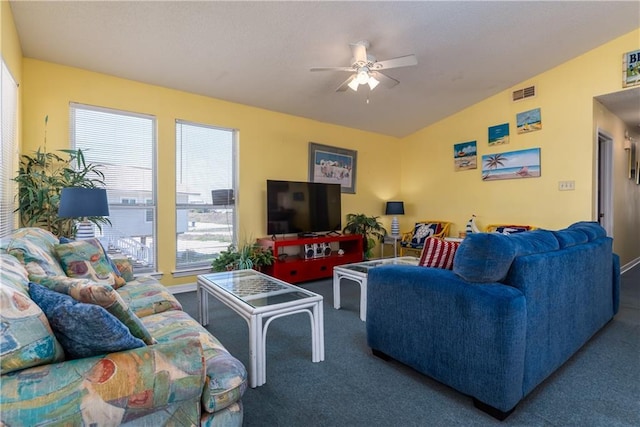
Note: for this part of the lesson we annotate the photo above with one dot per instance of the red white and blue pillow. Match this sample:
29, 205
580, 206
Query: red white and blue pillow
438, 253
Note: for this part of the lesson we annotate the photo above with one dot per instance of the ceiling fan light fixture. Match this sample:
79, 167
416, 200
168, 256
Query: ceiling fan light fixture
363, 77
373, 83
353, 84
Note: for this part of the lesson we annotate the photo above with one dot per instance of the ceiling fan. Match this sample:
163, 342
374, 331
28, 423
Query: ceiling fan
366, 68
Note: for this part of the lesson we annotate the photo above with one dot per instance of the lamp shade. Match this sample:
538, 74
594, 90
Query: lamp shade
76, 202
394, 208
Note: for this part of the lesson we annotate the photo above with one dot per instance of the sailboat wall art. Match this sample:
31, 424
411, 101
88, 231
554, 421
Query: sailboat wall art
511, 165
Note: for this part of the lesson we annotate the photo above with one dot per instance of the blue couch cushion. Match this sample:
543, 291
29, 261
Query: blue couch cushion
592, 229
484, 257
534, 242
568, 237
84, 330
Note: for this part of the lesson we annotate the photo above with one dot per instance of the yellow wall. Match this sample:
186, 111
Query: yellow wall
271, 145
9, 42
565, 97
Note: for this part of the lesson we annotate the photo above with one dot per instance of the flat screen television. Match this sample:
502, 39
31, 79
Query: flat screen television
304, 208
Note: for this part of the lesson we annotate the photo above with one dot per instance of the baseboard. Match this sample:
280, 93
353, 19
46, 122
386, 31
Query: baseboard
179, 289
628, 266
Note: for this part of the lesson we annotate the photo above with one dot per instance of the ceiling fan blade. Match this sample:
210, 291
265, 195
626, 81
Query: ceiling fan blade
359, 51
384, 79
401, 61
344, 86
332, 69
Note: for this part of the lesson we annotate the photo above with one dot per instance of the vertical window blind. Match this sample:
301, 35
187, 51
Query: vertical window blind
205, 193
9, 152
124, 145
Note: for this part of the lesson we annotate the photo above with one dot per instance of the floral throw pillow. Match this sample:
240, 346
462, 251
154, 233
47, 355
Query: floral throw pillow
84, 330
105, 296
85, 259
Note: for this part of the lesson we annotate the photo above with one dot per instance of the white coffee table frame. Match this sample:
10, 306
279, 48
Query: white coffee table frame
348, 271
259, 318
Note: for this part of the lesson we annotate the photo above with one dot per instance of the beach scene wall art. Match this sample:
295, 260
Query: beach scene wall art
529, 121
465, 156
499, 134
511, 165
333, 165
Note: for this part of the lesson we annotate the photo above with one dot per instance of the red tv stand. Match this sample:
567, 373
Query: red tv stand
300, 259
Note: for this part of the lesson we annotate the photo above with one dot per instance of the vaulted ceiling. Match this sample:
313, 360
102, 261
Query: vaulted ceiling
260, 53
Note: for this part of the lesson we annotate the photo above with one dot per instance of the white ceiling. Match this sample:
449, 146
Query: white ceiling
260, 53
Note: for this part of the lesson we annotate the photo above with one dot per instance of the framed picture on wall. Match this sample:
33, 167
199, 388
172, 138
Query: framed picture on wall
511, 165
631, 68
529, 121
333, 165
465, 156
499, 134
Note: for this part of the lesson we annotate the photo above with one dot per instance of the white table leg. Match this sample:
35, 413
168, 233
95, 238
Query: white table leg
336, 289
320, 329
363, 299
254, 331
203, 305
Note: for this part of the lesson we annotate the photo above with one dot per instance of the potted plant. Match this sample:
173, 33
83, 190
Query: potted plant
369, 227
41, 178
261, 257
226, 260
246, 257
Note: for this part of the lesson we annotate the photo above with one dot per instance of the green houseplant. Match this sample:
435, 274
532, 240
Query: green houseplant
370, 228
41, 178
246, 257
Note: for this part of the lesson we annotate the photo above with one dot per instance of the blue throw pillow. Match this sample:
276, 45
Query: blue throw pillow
484, 257
84, 330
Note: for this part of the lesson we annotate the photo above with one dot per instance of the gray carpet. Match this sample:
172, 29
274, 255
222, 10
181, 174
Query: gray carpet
598, 386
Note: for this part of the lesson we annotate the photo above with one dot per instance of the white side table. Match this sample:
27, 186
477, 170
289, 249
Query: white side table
390, 240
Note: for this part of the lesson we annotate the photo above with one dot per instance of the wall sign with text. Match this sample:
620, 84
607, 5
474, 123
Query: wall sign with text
631, 68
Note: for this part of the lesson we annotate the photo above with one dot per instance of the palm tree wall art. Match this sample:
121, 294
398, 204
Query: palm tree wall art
511, 165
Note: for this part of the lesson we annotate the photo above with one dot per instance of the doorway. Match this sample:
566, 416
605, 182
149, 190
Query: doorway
604, 187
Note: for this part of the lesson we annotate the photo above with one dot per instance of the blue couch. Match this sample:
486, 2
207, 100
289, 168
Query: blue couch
512, 311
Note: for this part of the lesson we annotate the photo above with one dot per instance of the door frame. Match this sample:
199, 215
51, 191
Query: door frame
604, 181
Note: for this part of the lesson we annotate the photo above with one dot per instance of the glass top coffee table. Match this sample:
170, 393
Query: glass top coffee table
358, 273
259, 299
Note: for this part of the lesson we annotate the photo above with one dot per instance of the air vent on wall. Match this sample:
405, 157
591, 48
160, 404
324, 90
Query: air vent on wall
527, 92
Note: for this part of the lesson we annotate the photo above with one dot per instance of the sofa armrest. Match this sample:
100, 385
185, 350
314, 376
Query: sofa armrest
106, 390
469, 336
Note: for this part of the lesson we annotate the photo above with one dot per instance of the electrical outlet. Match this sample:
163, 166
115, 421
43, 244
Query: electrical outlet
566, 185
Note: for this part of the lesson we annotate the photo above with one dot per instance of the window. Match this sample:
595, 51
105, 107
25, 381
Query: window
8, 154
205, 189
124, 144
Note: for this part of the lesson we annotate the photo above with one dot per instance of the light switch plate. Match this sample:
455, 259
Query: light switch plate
566, 185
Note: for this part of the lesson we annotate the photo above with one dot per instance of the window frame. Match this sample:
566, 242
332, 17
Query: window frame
73, 106
205, 266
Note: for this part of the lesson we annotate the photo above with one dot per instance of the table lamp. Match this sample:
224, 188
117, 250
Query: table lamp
78, 202
395, 208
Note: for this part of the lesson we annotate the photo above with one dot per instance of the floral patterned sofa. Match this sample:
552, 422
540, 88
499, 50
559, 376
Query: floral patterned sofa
82, 345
